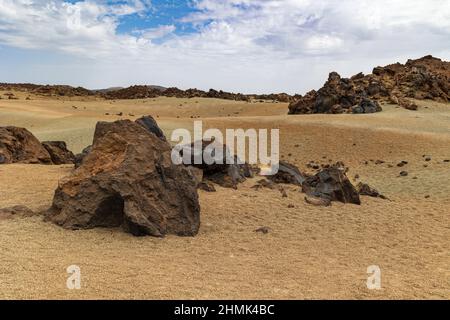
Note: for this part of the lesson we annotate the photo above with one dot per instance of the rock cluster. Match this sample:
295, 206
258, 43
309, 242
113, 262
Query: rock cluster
327, 185
18, 145
424, 78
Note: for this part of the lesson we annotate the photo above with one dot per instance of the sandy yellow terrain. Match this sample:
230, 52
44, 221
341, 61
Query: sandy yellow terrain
310, 252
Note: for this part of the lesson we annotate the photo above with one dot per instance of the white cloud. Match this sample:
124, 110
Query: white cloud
247, 45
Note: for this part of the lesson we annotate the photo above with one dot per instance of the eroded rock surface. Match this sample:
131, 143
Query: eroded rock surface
128, 180
18, 145
58, 152
424, 78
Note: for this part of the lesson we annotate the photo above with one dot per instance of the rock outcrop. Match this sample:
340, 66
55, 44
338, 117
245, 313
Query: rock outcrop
338, 95
128, 180
58, 152
18, 145
424, 78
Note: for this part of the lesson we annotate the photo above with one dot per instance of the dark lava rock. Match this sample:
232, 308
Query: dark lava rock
264, 230
58, 152
331, 184
367, 106
227, 175
150, 124
128, 180
366, 190
289, 174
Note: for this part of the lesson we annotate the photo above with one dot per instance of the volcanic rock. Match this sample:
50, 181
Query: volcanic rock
58, 152
128, 180
317, 201
367, 106
18, 145
424, 78
206, 186
150, 124
365, 190
227, 175
404, 103
331, 184
288, 173
80, 157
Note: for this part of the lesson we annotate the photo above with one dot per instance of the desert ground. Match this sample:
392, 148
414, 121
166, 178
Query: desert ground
309, 253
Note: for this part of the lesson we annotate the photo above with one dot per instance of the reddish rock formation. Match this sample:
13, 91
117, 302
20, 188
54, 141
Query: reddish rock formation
424, 78
128, 180
18, 145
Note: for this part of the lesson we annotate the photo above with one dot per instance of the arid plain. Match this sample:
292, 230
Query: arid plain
310, 252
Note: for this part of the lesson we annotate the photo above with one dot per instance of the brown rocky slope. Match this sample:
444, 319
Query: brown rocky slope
424, 78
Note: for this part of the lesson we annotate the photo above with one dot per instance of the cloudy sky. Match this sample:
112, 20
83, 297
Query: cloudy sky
236, 45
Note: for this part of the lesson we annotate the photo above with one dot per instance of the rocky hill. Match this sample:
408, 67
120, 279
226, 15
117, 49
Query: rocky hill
424, 78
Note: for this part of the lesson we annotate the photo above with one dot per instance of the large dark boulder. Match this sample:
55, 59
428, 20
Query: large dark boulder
128, 180
58, 152
18, 145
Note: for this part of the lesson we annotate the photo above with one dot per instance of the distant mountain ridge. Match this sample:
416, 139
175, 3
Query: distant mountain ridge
112, 89
424, 78
139, 92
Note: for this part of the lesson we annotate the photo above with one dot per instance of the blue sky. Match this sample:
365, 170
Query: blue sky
160, 13
235, 45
